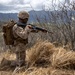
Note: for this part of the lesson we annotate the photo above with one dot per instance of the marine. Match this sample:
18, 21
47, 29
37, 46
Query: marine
21, 31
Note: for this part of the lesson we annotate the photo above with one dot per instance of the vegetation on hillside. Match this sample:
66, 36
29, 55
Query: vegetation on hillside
42, 58
46, 53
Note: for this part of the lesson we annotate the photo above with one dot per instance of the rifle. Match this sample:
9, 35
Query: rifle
39, 29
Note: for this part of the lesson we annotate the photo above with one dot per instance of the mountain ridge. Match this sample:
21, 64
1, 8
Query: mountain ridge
41, 16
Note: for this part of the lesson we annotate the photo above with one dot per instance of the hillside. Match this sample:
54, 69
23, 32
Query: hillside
42, 16
46, 53
33, 16
43, 59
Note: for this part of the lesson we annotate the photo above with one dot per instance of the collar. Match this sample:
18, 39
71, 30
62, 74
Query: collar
21, 24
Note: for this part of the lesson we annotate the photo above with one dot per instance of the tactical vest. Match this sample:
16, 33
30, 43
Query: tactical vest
8, 34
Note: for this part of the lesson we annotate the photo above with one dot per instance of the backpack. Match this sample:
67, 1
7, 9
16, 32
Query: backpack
7, 33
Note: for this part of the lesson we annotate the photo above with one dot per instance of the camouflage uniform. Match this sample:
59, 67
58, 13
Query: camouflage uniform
19, 45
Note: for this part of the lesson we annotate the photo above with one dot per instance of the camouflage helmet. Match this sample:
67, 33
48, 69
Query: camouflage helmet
23, 14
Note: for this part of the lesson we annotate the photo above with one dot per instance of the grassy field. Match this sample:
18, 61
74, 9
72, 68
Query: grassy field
45, 55
43, 58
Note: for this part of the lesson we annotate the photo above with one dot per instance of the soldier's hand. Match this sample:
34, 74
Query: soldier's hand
30, 26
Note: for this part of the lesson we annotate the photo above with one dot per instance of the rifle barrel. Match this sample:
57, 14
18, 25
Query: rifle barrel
40, 29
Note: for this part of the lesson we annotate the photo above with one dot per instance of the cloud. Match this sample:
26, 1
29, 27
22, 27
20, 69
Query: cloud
5, 1
18, 5
11, 6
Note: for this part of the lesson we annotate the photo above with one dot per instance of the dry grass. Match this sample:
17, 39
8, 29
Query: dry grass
63, 59
45, 59
49, 71
40, 52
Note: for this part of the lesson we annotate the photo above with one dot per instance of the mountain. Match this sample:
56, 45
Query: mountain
34, 16
8, 16
42, 16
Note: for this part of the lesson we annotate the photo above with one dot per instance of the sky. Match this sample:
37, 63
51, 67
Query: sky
13, 6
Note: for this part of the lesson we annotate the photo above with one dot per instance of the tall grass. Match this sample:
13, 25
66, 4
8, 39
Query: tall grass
44, 58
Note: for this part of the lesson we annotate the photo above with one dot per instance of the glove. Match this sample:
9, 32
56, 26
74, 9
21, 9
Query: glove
28, 28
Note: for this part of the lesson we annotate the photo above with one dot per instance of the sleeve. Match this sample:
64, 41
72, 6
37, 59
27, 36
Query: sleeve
23, 33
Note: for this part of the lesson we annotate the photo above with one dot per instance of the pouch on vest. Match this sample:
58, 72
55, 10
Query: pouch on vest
8, 34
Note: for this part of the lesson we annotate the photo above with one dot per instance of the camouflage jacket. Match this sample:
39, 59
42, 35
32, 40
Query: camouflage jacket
20, 32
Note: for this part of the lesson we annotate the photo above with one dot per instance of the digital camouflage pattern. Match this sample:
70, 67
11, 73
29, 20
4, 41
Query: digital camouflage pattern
23, 14
20, 47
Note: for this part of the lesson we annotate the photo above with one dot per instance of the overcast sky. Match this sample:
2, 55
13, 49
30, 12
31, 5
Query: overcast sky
8, 6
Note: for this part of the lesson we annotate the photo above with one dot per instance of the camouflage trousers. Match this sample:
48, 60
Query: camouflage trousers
20, 54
